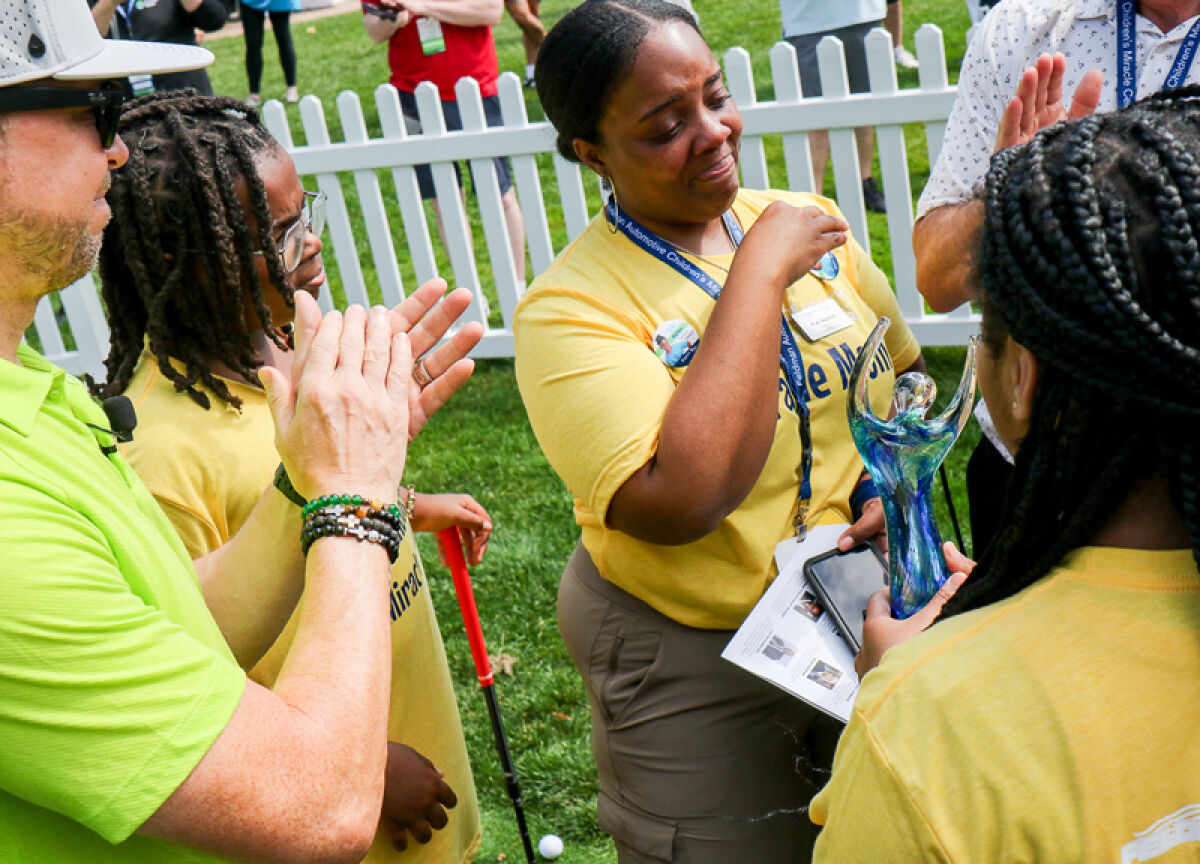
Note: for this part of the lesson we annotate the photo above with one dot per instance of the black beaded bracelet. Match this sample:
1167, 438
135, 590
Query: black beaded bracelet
363, 523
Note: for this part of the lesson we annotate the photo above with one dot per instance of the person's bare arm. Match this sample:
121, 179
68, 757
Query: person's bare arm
102, 14
944, 239
720, 422
382, 29
464, 13
298, 773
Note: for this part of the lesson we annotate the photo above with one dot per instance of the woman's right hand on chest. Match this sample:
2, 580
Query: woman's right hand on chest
792, 239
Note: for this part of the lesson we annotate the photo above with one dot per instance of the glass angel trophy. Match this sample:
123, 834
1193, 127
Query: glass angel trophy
902, 455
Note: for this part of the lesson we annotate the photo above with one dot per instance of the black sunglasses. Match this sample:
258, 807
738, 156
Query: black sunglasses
105, 103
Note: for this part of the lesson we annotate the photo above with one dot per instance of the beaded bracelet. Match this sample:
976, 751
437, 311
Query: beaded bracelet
410, 501
374, 508
353, 516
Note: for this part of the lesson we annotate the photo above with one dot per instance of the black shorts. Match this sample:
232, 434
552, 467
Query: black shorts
491, 113
853, 43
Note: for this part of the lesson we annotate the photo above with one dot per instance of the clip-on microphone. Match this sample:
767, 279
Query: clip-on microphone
121, 417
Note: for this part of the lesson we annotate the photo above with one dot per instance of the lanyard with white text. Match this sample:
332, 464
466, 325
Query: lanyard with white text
789, 351
1127, 55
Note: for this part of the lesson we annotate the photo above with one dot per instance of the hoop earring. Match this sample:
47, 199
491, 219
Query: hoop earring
607, 186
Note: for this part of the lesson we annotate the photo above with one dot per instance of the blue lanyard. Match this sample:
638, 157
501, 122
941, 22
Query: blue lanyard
789, 351
1127, 55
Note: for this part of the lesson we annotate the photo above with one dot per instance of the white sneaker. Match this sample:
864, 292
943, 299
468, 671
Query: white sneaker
904, 57
254, 100
292, 95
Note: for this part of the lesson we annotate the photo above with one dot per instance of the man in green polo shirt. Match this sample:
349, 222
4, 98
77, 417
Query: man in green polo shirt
128, 732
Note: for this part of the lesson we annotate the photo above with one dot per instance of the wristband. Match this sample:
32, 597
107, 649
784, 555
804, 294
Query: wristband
283, 483
862, 493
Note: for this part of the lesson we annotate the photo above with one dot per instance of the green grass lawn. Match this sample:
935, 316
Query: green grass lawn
482, 443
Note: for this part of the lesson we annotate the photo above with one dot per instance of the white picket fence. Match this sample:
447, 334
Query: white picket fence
789, 116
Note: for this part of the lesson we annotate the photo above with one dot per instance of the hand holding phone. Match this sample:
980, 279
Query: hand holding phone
389, 13
844, 582
881, 631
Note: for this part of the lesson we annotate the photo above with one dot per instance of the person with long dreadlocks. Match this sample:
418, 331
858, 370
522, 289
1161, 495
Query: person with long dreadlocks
1053, 717
211, 235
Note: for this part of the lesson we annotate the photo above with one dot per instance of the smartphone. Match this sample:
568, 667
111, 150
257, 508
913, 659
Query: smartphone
388, 12
843, 582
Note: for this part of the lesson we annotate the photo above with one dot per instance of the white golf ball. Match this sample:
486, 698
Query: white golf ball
550, 846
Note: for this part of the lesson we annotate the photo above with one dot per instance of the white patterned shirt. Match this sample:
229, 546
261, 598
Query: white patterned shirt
1008, 42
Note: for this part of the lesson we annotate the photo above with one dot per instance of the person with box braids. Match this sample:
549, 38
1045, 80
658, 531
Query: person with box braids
1081, 619
172, 277
211, 236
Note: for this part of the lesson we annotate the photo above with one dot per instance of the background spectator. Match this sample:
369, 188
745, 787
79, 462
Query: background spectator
254, 13
525, 13
166, 21
805, 24
894, 21
442, 41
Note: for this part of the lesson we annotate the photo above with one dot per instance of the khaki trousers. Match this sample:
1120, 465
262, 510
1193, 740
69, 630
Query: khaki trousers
699, 762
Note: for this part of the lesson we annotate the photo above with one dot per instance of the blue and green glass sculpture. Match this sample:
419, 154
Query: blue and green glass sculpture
902, 455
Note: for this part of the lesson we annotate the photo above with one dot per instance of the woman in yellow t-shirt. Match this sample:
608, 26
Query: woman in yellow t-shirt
211, 235
689, 451
1054, 720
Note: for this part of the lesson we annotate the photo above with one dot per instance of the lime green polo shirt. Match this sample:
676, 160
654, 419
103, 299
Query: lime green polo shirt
114, 679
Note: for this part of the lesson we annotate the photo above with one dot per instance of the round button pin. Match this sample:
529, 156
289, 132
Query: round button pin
827, 267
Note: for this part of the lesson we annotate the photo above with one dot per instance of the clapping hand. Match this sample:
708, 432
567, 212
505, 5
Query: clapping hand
1038, 102
439, 372
342, 413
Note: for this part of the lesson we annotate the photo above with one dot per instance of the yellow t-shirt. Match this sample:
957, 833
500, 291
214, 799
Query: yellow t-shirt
207, 469
1058, 725
596, 394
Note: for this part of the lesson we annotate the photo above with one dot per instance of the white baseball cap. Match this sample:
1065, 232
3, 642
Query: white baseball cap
59, 39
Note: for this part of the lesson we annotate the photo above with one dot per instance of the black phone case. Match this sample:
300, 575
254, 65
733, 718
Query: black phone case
840, 620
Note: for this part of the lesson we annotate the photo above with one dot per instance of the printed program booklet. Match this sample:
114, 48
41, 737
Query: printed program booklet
788, 639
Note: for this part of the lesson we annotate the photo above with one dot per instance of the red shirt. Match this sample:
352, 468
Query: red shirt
470, 51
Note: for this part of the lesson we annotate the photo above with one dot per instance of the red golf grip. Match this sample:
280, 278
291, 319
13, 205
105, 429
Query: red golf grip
451, 546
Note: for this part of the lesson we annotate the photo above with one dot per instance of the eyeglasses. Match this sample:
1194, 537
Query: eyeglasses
312, 218
105, 104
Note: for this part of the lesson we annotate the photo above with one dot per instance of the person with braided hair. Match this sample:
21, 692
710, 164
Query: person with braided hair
1028, 725
212, 235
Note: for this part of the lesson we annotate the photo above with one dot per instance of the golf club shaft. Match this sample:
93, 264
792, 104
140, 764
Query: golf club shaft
510, 769
451, 546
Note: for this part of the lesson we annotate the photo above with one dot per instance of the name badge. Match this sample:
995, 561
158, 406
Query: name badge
141, 84
675, 342
429, 30
818, 320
